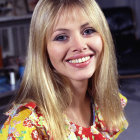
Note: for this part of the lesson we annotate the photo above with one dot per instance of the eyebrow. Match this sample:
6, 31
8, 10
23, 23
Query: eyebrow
63, 29
84, 25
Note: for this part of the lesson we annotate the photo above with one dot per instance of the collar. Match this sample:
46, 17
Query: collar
30, 105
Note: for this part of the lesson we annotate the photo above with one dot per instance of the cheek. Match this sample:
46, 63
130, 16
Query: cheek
98, 43
52, 55
99, 50
56, 53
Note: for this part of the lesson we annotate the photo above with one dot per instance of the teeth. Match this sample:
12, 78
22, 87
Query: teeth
83, 59
80, 60
77, 61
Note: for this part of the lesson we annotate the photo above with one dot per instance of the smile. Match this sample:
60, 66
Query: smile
80, 60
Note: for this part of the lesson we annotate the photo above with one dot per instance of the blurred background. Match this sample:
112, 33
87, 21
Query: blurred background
124, 21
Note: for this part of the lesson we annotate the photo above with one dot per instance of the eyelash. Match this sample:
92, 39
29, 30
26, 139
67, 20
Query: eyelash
64, 37
59, 37
90, 31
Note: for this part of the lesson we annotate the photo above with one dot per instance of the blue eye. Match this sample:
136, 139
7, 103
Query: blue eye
88, 31
61, 38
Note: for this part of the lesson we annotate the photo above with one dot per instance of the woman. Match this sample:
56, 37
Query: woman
69, 89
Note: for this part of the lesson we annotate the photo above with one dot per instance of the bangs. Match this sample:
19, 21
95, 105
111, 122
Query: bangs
67, 14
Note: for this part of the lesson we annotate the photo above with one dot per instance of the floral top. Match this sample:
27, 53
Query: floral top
25, 122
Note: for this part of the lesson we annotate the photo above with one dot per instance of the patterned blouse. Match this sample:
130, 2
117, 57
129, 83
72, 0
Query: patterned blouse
25, 122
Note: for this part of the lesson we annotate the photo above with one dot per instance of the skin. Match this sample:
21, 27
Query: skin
73, 38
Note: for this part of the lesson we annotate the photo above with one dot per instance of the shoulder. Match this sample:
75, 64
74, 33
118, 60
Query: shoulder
24, 122
123, 100
100, 124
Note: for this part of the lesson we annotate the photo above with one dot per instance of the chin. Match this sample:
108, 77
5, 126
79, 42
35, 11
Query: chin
82, 77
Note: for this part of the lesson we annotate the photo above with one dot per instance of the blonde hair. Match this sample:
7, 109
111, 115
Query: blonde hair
52, 92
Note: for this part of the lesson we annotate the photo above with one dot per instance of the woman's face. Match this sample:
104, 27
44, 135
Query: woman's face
74, 47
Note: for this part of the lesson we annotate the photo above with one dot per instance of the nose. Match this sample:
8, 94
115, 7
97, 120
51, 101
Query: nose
79, 43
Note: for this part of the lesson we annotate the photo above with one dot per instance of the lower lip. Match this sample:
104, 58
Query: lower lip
80, 65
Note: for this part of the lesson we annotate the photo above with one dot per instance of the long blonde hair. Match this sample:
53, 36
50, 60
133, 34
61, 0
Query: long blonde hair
52, 92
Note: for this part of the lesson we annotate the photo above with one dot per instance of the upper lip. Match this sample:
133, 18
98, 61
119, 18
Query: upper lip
77, 56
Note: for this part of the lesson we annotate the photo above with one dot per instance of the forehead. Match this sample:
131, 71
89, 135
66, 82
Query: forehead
70, 15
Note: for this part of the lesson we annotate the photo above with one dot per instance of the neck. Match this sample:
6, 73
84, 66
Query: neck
79, 92
79, 112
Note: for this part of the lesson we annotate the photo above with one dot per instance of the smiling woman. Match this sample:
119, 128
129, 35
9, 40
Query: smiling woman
69, 88
74, 46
